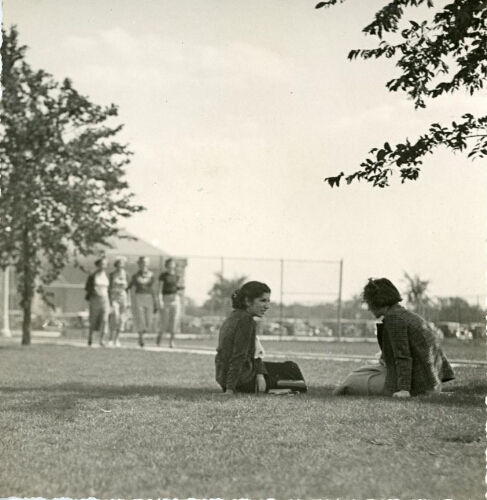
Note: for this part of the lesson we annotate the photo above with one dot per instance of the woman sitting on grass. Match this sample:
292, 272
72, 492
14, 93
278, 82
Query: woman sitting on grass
414, 360
239, 365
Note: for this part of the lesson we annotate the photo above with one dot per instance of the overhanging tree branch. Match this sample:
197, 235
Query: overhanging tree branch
457, 33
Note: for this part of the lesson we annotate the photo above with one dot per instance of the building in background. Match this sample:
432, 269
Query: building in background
68, 293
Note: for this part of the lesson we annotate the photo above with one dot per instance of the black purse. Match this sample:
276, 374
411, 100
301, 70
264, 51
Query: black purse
294, 385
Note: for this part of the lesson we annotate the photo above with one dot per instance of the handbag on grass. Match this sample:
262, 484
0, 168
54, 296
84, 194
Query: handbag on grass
281, 392
294, 385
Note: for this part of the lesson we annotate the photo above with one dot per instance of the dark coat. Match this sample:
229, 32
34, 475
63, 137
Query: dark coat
90, 286
413, 356
235, 362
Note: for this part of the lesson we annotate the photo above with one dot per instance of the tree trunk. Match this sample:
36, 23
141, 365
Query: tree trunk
27, 285
27, 320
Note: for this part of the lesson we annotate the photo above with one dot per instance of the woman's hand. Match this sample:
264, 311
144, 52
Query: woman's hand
260, 383
402, 394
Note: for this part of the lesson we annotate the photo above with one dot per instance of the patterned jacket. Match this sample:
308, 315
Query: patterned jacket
414, 358
235, 362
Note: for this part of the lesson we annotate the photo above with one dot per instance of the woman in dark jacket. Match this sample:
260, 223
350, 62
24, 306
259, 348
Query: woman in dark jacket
413, 356
97, 296
239, 365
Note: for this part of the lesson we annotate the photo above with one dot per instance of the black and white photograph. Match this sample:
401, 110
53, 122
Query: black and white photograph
243, 249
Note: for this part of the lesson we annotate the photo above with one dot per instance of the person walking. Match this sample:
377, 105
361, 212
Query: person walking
170, 287
99, 303
117, 292
144, 303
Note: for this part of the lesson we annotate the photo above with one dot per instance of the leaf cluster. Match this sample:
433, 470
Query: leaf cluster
435, 57
408, 157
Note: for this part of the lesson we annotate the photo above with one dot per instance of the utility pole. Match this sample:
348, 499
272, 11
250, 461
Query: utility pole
6, 296
281, 326
339, 309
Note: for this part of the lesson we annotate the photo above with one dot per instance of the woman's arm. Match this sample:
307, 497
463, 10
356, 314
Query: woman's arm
241, 344
260, 383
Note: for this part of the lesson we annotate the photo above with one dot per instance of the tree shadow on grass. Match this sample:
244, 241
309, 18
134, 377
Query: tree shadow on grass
470, 395
95, 391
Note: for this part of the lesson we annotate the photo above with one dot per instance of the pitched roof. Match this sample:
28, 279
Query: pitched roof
133, 247
130, 248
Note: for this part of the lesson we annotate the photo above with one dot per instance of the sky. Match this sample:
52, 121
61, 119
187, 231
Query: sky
237, 111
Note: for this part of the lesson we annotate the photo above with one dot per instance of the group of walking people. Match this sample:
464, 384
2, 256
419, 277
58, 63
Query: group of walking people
412, 362
111, 294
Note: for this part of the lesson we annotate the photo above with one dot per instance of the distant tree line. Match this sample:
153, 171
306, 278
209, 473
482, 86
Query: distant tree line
416, 298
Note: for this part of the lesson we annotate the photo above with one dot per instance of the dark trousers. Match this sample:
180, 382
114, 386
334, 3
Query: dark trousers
287, 370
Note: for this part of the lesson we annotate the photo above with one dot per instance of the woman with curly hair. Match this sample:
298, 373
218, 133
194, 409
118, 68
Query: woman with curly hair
238, 363
414, 360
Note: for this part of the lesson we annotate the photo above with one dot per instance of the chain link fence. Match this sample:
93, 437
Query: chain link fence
300, 290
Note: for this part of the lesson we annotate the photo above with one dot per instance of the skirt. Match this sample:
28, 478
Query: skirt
365, 381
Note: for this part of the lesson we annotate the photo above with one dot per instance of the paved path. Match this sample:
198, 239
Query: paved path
211, 352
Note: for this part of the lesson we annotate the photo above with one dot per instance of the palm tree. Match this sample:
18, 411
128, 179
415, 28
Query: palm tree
416, 294
221, 292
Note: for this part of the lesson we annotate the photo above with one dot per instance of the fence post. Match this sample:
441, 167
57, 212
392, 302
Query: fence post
281, 326
6, 306
339, 311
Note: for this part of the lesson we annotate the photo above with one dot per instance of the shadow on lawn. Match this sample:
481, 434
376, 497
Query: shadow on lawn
471, 395
93, 391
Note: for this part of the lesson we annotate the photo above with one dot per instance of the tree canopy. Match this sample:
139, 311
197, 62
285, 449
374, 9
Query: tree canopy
62, 174
434, 58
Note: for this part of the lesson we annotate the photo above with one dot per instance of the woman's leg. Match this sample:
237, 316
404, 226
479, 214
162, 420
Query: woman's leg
162, 323
104, 313
114, 321
170, 316
177, 313
147, 311
119, 323
92, 312
173, 320
365, 381
96, 317
123, 319
139, 317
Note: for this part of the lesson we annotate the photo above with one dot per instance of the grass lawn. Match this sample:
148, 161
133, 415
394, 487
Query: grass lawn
120, 423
